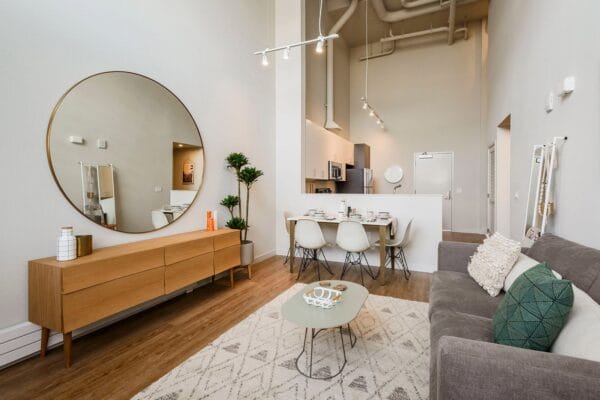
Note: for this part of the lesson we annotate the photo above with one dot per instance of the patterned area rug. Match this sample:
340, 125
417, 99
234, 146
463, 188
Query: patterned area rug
256, 358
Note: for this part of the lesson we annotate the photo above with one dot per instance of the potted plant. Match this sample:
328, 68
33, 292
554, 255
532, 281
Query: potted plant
247, 176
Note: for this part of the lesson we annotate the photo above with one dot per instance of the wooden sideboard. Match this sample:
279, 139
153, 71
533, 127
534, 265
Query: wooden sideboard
67, 295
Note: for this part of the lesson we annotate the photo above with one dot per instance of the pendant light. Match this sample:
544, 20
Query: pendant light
365, 100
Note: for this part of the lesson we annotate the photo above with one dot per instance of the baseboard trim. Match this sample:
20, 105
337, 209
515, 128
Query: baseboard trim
22, 341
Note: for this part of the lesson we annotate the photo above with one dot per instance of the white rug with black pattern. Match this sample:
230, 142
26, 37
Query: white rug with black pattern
256, 358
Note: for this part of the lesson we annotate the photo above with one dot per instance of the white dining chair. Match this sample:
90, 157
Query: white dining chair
286, 215
395, 248
159, 219
311, 241
352, 237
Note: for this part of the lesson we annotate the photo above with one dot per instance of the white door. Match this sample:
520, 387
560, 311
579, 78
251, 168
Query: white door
491, 189
433, 175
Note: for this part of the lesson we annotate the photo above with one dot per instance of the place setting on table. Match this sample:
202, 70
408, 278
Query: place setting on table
385, 223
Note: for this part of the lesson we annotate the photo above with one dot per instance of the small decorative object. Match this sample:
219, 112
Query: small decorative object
325, 283
188, 173
66, 245
210, 222
322, 297
341, 287
84, 245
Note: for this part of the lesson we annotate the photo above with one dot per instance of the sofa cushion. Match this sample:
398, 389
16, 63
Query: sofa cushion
534, 310
457, 291
523, 264
444, 323
580, 337
577, 263
493, 261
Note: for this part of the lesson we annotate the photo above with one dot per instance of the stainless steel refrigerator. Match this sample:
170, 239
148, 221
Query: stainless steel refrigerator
358, 180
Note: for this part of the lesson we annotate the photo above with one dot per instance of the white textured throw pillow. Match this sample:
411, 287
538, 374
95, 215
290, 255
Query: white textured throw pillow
493, 261
523, 264
580, 337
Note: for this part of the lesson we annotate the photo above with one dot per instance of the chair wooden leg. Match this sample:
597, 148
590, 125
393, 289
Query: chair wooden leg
231, 277
249, 271
44, 341
67, 344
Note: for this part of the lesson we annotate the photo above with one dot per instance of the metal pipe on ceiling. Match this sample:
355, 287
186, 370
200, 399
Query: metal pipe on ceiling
329, 121
451, 22
405, 13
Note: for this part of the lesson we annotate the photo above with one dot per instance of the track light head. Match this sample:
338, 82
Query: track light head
371, 113
320, 45
265, 59
286, 53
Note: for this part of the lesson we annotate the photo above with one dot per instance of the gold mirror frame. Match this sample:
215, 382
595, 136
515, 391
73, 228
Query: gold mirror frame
53, 172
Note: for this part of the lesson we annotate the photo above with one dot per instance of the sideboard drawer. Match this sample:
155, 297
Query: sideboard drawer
189, 271
90, 272
186, 250
227, 258
92, 304
227, 239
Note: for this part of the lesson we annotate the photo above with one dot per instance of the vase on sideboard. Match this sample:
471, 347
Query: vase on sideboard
66, 245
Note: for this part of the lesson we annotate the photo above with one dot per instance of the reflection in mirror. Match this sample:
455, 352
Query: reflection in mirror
125, 152
533, 217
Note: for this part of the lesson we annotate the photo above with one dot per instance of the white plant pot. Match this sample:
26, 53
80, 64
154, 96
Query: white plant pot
246, 253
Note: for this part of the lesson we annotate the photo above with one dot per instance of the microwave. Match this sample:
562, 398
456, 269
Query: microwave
335, 171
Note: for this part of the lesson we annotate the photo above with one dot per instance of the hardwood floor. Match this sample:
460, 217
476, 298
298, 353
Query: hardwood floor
118, 361
462, 237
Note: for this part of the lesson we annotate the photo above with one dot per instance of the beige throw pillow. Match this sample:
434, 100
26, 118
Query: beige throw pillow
493, 261
580, 337
524, 263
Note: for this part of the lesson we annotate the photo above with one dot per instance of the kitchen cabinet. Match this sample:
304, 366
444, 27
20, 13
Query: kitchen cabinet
322, 146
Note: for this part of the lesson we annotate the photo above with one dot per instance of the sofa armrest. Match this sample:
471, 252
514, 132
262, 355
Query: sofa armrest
469, 369
455, 256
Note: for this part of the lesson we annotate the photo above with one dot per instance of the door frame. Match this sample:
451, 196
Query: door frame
503, 148
450, 194
491, 211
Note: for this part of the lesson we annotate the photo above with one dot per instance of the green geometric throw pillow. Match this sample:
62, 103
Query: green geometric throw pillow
534, 310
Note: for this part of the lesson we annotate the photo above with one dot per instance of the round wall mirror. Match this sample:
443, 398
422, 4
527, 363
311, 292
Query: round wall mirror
125, 152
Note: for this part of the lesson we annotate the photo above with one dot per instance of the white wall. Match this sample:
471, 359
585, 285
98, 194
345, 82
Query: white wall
429, 95
289, 144
533, 46
189, 47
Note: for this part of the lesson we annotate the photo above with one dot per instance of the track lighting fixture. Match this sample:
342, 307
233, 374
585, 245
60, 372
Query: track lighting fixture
319, 40
265, 59
366, 106
320, 45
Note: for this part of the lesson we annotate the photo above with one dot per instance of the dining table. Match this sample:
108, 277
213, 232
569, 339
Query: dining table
383, 226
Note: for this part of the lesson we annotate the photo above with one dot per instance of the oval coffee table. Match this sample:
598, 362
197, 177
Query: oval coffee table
318, 319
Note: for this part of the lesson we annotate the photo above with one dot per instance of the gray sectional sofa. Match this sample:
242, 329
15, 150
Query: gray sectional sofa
466, 364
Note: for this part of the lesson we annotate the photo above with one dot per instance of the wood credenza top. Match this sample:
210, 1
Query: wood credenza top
67, 295
110, 252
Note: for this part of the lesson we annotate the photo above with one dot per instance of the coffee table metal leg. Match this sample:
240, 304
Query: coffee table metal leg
313, 335
350, 334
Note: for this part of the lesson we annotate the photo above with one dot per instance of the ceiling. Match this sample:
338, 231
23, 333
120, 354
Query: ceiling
353, 31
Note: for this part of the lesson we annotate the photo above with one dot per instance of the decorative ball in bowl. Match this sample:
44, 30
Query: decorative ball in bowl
323, 297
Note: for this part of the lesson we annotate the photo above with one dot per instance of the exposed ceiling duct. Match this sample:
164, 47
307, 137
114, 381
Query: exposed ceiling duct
411, 9
329, 122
